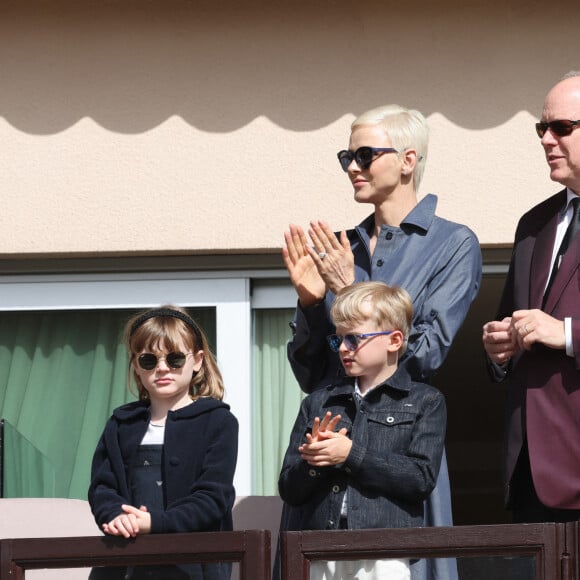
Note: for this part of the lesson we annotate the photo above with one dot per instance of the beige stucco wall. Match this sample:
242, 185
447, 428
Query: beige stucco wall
207, 126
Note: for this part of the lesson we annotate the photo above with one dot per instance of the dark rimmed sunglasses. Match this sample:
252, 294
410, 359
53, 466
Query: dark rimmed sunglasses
175, 360
561, 127
351, 341
363, 156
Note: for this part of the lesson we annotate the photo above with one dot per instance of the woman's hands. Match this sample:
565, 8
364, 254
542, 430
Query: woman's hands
326, 264
131, 522
336, 267
304, 274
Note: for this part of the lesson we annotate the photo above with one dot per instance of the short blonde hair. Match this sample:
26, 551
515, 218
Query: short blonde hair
406, 129
170, 326
391, 307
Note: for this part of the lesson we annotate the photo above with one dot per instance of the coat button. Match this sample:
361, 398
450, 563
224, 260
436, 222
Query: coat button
390, 419
312, 472
174, 461
389, 236
379, 263
335, 488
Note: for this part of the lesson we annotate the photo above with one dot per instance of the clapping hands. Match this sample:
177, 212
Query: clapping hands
327, 263
324, 446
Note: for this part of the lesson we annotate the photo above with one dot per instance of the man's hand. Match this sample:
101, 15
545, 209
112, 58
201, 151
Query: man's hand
531, 326
499, 340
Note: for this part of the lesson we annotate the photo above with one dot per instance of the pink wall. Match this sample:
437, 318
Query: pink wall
180, 126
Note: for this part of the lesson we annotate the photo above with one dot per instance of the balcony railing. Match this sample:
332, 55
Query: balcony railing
547, 551
251, 549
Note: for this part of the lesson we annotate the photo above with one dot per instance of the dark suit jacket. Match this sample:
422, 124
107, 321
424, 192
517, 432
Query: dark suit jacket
544, 392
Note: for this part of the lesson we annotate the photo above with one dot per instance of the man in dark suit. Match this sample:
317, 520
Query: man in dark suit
535, 340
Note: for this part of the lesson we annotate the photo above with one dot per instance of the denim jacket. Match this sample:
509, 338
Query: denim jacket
397, 432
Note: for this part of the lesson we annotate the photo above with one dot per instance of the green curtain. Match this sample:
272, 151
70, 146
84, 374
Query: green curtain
61, 375
276, 397
33, 474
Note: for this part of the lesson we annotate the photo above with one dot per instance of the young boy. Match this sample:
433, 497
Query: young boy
365, 451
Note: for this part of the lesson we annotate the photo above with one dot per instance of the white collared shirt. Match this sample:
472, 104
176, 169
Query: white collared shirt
564, 220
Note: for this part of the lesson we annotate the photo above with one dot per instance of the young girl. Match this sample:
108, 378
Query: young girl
166, 462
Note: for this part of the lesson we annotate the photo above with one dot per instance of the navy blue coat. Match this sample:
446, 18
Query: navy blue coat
199, 461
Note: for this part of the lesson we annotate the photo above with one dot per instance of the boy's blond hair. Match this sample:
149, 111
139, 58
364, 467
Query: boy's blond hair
391, 307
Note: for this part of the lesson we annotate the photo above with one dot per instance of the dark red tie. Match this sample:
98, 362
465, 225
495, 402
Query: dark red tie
571, 232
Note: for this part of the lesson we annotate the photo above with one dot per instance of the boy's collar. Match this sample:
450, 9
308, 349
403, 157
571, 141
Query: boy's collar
358, 392
400, 380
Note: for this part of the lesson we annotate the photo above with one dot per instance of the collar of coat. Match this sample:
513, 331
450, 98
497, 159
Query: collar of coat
399, 380
419, 218
141, 408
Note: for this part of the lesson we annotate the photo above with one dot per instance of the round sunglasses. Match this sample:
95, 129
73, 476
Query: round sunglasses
363, 156
351, 341
560, 128
175, 360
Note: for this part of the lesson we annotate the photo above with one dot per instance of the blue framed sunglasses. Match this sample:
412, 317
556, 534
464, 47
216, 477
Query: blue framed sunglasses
363, 156
351, 341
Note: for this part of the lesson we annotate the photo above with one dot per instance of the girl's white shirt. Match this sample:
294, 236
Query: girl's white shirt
155, 434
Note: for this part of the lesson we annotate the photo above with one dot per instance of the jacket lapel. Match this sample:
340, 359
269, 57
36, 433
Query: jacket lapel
541, 257
568, 269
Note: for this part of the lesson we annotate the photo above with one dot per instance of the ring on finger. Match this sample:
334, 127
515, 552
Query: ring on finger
526, 331
322, 255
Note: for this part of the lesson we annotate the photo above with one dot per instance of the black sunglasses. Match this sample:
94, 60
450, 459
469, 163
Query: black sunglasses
363, 156
351, 341
561, 127
175, 360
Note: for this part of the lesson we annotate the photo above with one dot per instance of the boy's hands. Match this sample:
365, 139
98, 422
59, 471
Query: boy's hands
324, 429
324, 446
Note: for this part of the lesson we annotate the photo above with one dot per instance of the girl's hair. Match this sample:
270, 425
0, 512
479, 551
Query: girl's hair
406, 129
171, 328
388, 307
